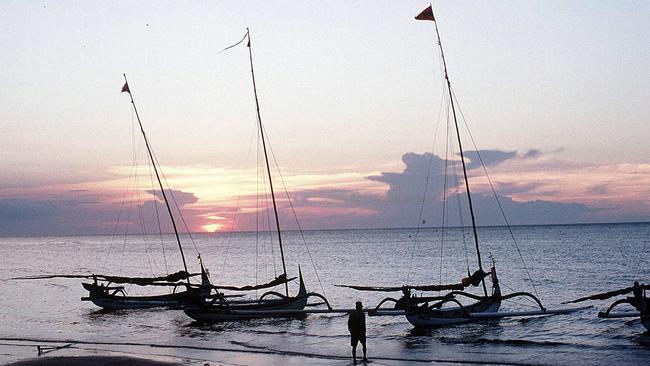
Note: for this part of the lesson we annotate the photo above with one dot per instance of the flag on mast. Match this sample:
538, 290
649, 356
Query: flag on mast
426, 14
125, 88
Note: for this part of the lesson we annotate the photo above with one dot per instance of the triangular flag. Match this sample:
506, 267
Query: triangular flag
426, 14
125, 88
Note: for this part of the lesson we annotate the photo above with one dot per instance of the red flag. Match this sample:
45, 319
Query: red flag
426, 14
125, 88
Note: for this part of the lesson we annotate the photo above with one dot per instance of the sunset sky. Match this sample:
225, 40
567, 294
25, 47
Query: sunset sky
555, 93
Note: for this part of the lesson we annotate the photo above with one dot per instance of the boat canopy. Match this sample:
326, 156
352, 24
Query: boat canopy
168, 280
609, 294
281, 279
474, 280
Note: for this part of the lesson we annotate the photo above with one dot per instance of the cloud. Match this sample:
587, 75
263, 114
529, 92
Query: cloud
81, 212
532, 153
57, 216
488, 157
179, 197
533, 188
415, 195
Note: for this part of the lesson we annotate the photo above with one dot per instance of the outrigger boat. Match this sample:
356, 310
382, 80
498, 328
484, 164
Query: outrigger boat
104, 295
270, 304
108, 291
639, 301
430, 311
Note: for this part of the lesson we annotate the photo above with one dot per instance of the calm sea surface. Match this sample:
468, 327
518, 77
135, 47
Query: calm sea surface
565, 262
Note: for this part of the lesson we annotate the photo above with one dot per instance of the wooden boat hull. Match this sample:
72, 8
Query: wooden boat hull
221, 313
450, 316
118, 302
645, 313
645, 320
133, 302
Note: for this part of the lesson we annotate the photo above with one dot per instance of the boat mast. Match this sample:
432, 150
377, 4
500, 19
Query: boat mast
462, 157
266, 158
155, 169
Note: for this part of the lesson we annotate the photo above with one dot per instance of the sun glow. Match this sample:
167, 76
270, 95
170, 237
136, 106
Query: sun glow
211, 228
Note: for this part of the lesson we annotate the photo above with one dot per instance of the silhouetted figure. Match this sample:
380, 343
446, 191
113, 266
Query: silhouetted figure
357, 328
403, 301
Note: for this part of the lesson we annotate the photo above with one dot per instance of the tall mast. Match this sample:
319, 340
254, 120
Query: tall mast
462, 157
266, 158
155, 169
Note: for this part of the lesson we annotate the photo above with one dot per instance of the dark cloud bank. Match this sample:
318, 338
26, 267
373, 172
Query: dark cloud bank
82, 213
405, 198
79, 213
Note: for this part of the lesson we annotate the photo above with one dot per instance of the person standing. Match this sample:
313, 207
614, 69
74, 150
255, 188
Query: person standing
357, 329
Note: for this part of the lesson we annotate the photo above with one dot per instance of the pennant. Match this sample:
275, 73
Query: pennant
242, 40
125, 88
426, 14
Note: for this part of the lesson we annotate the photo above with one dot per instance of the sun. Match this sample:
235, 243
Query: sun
211, 228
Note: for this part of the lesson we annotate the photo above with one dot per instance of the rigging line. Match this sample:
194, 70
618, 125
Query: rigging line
433, 145
268, 221
119, 214
263, 215
171, 216
534, 304
117, 224
295, 216
424, 197
444, 197
128, 218
143, 228
140, 218
178, 210
259, 215
257, 208
462, 158
496, 197
266, 158
426, 185
460, 216
155, 205
265, 229
636, 270
239, 195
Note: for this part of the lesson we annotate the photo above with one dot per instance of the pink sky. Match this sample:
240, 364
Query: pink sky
347, 91
605, 193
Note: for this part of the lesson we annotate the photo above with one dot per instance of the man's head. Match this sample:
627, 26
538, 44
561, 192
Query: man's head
359, 305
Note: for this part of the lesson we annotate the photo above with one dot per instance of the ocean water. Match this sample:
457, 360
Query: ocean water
565, 262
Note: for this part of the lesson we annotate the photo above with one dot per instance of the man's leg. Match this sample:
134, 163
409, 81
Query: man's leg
354, 350
363, 343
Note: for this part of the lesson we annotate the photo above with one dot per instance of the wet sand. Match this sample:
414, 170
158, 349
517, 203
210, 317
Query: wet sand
91, 360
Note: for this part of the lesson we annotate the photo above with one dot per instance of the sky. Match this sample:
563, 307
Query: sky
555, 95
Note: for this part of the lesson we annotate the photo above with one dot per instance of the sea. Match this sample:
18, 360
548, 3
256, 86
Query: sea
558, 263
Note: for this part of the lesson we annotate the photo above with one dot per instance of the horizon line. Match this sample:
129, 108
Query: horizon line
331, 229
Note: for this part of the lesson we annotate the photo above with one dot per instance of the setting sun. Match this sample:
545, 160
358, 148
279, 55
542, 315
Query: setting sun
211, 228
